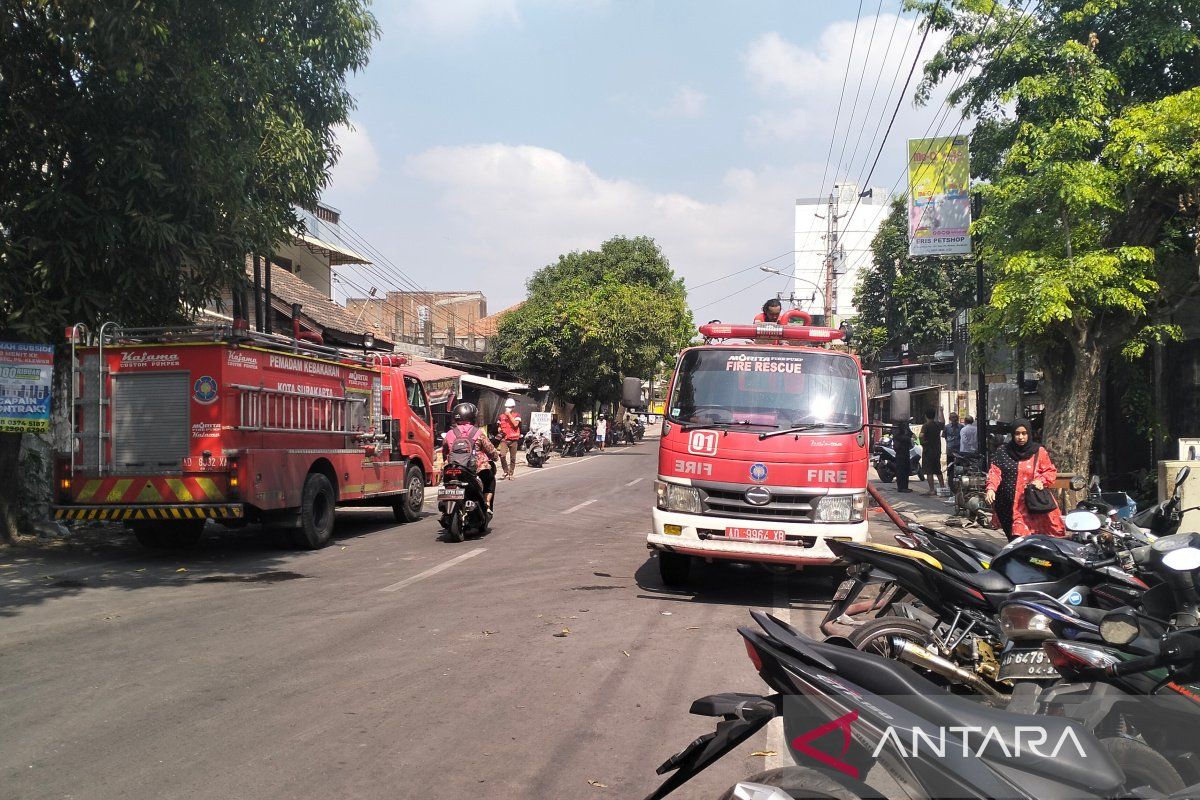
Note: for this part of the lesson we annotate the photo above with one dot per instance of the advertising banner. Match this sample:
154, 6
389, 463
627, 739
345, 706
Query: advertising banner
939, 199
539, 422
25, 381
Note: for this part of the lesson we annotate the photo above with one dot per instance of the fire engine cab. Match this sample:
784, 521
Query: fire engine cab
176, 426
764, 453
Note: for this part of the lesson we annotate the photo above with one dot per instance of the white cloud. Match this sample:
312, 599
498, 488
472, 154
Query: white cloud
358, 165
802, 84
686, 103
509, 206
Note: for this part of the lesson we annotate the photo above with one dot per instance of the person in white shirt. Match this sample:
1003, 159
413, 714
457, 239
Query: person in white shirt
969, 437
601, 431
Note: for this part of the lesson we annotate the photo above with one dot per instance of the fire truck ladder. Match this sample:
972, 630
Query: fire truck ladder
286, 411
79, 332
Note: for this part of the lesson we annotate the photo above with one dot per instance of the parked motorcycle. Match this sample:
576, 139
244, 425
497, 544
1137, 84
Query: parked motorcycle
870, 709
967, 477
884, 460
638, 430
537, 449
461, 502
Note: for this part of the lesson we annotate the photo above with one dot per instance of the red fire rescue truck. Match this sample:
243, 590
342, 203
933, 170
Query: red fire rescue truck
764, 453
175, 426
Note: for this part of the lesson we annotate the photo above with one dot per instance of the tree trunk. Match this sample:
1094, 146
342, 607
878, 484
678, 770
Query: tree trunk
10, 482
1071, 378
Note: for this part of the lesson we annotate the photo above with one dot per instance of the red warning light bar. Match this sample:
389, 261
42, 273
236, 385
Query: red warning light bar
771, 330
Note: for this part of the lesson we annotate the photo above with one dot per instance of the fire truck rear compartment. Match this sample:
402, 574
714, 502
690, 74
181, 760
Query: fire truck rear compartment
151, 421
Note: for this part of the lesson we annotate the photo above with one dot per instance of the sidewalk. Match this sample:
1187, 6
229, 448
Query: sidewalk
936, 512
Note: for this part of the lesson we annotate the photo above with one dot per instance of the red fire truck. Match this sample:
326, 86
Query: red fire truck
175, 426
764, 453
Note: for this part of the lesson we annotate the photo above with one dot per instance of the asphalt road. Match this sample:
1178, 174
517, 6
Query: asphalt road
545, 660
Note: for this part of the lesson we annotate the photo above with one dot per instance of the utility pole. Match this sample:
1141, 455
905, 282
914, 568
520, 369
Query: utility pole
832, 256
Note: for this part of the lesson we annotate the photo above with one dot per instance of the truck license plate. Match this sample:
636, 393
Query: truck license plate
451, 493
756, 534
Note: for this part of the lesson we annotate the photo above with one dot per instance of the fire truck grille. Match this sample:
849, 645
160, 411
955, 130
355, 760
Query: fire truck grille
781, 508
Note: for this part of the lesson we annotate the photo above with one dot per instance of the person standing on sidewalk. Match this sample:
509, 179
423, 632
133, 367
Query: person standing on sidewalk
931, 450
902, 446
968, 438
510, 430
952, 433
601, 432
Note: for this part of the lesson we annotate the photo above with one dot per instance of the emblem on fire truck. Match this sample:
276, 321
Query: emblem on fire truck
205, 390
758, 471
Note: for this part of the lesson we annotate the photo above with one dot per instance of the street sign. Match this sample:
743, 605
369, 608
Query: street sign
539, 422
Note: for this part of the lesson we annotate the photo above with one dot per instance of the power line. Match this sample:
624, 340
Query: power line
740, 271
734, 294
858, 87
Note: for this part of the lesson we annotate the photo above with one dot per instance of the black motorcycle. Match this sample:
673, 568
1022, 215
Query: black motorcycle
461, 502
846, 711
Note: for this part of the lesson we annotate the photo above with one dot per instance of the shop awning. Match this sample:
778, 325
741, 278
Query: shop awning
492, 383
338, 253
440, 382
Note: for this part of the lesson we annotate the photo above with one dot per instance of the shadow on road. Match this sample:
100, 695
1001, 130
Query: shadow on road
110, 558
731, 583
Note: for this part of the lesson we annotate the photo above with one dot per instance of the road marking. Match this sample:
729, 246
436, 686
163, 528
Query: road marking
565, 463
635, 480
775, 739
398, 585
573, 509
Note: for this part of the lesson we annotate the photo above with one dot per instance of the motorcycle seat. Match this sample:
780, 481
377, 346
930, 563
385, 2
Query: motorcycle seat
987, 581
1096, 771
989, 546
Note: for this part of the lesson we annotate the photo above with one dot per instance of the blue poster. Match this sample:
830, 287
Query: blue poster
26, 372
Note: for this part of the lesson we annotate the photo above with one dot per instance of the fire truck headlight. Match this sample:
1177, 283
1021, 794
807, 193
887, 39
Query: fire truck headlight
841, 508
673, 497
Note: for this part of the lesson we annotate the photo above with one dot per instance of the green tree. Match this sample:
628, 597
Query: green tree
902, 300
1088, 141
149, 145
596, 316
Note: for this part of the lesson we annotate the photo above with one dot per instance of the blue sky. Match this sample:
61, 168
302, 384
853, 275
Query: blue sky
493, 135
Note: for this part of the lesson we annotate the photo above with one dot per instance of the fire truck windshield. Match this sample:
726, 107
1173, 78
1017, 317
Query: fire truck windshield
767, 387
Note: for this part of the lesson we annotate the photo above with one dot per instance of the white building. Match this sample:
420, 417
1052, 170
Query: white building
857, 220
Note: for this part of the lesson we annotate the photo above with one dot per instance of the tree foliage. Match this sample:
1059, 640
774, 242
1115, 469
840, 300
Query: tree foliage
912, 303
596, 316
149, 146
1088, 143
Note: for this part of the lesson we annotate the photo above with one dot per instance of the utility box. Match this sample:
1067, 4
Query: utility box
1189, 493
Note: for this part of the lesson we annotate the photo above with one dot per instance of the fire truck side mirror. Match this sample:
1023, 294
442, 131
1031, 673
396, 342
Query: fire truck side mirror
631, 393
899, 406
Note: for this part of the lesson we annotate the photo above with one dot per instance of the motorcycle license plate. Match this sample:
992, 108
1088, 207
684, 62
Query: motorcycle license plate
843, 590
756, 534
451, 493
1026, 664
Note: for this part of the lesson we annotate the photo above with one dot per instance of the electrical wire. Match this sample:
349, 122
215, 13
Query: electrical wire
740, 271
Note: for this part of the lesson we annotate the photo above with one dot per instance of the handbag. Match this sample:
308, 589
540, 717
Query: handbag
1038, 501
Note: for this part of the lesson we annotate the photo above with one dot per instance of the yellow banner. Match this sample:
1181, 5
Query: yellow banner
939, 196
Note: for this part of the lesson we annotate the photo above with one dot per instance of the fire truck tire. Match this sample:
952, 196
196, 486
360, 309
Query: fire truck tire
316, 513
408, 507
673, 568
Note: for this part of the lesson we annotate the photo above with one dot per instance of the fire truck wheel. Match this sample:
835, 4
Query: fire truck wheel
316, 513
673, 568
408, 507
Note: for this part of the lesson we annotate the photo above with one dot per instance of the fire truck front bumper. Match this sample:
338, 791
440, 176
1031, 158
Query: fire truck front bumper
179, 511
711, 538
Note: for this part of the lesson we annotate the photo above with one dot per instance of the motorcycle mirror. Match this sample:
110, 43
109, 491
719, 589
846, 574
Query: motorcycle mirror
1078, 482
1182, 559
1119, 627
1182, 476
1094, 481
1081, 521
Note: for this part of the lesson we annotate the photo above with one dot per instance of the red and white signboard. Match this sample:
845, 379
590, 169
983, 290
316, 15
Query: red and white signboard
703, 443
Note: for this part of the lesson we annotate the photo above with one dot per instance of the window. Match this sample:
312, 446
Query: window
416, 398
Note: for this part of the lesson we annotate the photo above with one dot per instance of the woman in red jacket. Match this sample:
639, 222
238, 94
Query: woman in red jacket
1019, 463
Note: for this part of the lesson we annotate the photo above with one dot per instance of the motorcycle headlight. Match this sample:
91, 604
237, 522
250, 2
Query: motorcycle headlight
841, 508
673, 497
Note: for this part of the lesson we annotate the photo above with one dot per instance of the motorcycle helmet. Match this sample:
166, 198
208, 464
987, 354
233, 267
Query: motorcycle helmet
510, 403
465, 412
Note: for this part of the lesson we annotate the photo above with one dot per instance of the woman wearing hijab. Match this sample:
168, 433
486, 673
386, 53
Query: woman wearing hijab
1020, 463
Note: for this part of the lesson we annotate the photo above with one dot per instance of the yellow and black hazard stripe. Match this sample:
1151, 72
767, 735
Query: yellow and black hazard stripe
172, 512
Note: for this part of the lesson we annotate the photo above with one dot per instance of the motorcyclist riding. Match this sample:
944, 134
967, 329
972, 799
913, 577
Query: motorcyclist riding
464, 427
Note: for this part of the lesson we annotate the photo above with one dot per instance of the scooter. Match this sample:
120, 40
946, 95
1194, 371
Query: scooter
461, 502
845, 711
884, 460
537, 449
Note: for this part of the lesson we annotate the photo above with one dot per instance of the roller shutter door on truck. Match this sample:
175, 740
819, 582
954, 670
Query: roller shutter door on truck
151, 415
